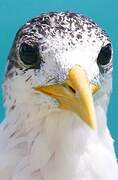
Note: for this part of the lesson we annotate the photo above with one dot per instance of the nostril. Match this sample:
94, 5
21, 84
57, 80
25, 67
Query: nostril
72, 89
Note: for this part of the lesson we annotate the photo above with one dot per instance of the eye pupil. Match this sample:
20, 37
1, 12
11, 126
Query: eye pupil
28, 54
104, 55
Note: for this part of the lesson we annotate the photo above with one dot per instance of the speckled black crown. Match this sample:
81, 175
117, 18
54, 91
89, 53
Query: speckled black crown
50, 23
67, 25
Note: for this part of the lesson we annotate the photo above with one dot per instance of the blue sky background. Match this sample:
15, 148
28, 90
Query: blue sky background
14, 13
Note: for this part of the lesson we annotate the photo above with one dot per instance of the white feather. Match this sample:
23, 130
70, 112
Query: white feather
53, 144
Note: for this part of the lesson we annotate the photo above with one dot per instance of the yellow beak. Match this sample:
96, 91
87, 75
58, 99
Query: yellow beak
75, 94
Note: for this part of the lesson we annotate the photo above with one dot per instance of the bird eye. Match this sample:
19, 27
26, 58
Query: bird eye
104, 56
29, 54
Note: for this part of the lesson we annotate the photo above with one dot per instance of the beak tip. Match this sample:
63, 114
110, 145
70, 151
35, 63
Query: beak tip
92, 125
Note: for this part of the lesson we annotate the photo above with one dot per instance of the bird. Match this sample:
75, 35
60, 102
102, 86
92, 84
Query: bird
57, 87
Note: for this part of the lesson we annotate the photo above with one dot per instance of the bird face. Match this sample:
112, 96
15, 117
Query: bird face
59, 60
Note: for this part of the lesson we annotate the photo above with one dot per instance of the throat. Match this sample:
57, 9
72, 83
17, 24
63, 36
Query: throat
58, 123
59, 145
60, 126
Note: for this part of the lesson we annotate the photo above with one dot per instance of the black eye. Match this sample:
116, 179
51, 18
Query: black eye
104, 56
29, 54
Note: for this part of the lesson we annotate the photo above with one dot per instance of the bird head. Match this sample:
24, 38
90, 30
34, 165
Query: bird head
60, 61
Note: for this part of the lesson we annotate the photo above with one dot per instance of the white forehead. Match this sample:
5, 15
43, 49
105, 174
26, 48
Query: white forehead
64, 53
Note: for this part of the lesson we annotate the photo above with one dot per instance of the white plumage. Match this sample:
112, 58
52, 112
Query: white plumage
38, 140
